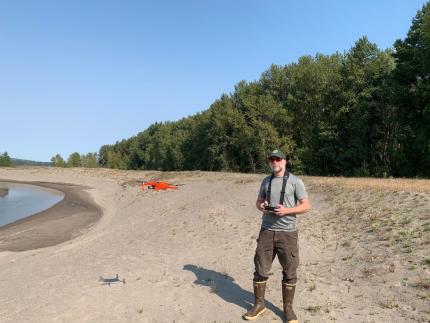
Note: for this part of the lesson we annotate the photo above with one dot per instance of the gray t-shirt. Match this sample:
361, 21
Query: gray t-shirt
294, 191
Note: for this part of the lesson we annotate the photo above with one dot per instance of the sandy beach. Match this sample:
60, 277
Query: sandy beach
187, 255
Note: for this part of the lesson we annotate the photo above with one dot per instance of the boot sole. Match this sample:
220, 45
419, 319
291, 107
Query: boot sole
252, 318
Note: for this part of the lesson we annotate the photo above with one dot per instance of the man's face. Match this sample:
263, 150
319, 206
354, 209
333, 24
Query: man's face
277, 164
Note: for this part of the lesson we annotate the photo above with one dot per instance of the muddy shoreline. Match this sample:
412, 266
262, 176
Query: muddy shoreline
66, 220
3, 191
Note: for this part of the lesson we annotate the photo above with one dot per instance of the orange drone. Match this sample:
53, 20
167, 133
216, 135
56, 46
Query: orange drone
157, 185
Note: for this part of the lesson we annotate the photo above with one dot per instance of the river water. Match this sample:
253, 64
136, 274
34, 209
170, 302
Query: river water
24, 200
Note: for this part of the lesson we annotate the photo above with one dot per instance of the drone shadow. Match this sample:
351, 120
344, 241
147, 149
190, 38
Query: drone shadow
225, 287
108, 281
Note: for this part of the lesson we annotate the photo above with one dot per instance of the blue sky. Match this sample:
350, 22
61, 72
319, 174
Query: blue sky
75, 75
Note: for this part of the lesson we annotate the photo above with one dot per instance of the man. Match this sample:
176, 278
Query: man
282, 195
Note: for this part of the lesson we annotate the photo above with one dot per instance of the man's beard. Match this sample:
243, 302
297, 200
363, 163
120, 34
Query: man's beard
276, 168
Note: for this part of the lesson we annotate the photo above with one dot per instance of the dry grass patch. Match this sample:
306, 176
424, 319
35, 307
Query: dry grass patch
313, 309
379, 230
388, 303
378, 184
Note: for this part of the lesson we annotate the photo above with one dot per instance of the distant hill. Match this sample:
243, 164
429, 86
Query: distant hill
18, 162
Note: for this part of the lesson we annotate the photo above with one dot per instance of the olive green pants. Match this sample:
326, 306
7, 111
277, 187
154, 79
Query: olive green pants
277, 243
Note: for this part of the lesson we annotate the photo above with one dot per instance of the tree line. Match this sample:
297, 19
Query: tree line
365, 112
7, 161
75, 159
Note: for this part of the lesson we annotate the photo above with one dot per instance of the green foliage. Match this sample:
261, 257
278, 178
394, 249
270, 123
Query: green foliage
365, 112
74, 160
365, 116
58, 161
5, 160
89, 160
412, 86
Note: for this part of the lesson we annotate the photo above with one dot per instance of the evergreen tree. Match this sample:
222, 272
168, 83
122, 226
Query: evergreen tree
89, 160
412, 95
58, 161
5, 160
74, 160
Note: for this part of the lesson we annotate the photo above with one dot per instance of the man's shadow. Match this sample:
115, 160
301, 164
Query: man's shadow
225, 287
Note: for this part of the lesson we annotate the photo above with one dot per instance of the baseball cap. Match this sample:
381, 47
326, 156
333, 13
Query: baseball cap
277, 153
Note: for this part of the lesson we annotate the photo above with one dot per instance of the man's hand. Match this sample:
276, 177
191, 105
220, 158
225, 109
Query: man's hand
302, 207
280, 210
262, 205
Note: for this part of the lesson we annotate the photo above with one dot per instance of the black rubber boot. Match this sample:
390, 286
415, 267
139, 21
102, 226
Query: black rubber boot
288, 298
259, 307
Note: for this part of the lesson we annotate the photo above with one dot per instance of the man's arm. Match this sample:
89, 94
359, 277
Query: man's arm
303, 207
261, 203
